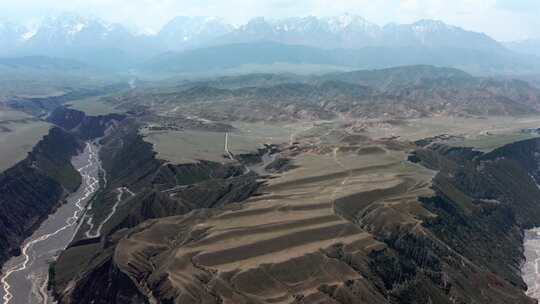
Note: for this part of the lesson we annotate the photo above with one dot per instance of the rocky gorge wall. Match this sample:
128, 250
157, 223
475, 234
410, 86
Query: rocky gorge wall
31, 189
160, 190
34, 187
467, 250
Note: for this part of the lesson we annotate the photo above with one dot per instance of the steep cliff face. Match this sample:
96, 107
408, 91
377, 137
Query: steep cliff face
31, 189
463, 248
163, 189
83, 126
160, 190
461, 244
484, 202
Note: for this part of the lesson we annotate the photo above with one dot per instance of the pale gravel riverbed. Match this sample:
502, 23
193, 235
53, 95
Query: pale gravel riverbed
531, 267
24, 278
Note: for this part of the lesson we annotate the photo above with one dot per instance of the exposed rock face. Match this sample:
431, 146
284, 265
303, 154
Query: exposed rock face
31, 189
81, 125
161, 190
485, 201
461, 245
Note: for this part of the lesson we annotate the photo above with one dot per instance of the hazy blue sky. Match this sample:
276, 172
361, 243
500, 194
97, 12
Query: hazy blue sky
502, 19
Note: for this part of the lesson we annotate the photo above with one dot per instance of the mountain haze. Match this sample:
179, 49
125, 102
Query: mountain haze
236, 55
185, 43
354, 32
530, 46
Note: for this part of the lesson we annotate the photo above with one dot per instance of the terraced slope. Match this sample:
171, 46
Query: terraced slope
244, 254
138, 187
340, 218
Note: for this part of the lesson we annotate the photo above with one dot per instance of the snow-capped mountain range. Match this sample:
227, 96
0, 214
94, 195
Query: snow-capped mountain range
185, 32
350, 31
346, 31
72, 30
98, 42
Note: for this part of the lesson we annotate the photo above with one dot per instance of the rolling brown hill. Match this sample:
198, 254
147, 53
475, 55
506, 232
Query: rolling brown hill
399, 93
348, 222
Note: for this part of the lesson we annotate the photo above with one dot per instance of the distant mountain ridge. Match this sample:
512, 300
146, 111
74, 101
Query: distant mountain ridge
529, 46
346, 31
354, 32
346, 40
41, 63
91, 41
188, 32
231, 56
396, 93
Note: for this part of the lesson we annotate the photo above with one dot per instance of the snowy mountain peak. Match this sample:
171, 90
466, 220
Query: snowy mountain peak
427, 25
68, 22
29, 34
11, 35
70, 32
348, 21
343, 23
72, 25
184, 31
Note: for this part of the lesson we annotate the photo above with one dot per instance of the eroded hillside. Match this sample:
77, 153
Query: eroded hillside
35, 186
398, 93
361, 187
338, 218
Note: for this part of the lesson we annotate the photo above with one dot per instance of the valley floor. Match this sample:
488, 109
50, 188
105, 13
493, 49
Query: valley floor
531, 266
25, 278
